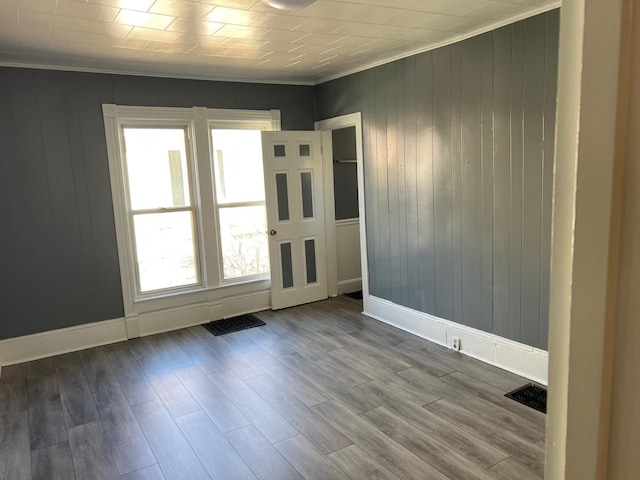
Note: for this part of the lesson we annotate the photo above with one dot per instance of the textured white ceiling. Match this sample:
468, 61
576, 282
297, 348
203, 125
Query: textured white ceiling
240, 39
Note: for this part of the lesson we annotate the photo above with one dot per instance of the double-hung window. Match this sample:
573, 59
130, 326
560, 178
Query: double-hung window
240, 202
188, 193
160, 207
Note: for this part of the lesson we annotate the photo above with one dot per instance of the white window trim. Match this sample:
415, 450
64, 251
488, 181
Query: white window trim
200, 121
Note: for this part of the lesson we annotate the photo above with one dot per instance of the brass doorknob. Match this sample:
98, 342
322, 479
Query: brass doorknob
272, 232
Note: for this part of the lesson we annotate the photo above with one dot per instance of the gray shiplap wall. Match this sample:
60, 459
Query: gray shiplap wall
458, 147
59, 260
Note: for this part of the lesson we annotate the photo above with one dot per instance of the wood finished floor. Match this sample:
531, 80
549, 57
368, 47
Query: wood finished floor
320, 392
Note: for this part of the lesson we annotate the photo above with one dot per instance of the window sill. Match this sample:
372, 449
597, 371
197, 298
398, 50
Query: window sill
244, 281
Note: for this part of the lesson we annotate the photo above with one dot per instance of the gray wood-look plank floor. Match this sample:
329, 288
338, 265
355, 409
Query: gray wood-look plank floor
320, 392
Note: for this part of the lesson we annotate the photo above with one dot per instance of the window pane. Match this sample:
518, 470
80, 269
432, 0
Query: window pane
157, 167
243, 234
165, 250
237, 158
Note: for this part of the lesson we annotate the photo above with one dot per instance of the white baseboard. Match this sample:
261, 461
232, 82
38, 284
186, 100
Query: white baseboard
55, 342
523, 360
515, 357
348, 286
64, 340
247, 303
173, 318
196, 314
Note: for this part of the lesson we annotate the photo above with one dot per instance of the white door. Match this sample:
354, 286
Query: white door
295, 215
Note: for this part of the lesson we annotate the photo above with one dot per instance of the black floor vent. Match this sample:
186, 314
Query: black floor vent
233, 324
530, 395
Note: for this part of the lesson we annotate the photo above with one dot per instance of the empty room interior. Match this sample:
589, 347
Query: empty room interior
319, 239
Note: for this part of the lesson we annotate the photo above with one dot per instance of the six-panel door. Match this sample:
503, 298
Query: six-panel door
295, 215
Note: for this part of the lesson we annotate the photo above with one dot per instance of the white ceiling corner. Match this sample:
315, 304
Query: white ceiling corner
243, 40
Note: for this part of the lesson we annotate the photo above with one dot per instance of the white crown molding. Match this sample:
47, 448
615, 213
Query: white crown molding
295, 81
450, 41
523, 360
136, 73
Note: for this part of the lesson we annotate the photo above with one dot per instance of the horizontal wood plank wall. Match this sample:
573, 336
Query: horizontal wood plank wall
458, 146
59, 261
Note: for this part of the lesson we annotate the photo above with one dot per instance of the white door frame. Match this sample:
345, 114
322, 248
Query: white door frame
588, 210
350, 120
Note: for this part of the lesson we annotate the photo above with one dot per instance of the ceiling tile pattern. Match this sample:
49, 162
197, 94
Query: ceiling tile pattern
239, 39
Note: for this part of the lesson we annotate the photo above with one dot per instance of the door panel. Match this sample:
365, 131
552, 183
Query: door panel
295, 214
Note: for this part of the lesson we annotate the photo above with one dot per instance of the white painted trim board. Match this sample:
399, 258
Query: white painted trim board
71, 339
523, 360
515, 357
64, 340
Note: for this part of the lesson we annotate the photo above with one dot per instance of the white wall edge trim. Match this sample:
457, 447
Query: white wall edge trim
71, 339
64, 340
515, 357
